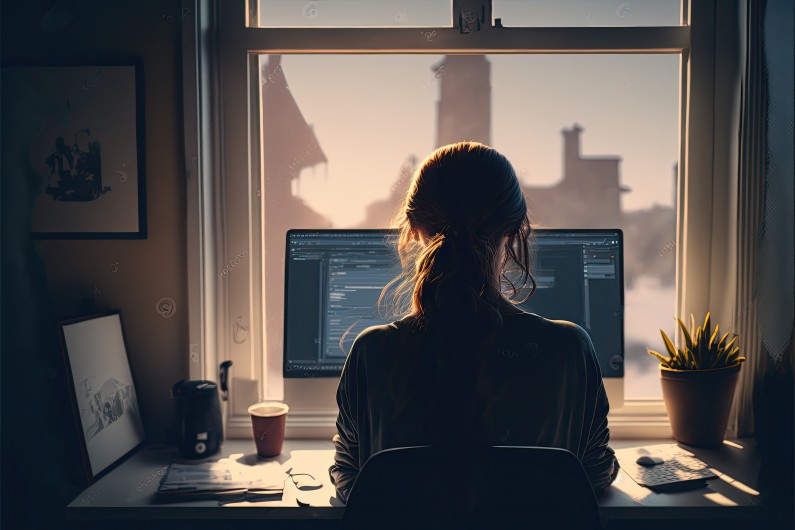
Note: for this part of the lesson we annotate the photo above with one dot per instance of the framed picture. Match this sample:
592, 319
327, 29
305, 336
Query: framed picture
79, 134
103, 396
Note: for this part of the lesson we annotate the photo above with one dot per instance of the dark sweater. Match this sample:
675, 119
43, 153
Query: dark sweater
539, 386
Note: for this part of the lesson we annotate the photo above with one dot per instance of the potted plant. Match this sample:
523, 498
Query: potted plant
698, 382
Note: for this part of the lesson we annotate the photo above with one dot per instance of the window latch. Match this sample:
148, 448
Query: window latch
470, 21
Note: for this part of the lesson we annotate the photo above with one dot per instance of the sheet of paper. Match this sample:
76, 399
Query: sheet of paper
234, 472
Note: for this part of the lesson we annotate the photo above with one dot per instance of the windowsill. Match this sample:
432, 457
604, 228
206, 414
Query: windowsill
637, 419
640, 419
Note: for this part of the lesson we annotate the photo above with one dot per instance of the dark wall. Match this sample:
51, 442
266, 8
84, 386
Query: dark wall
47, 280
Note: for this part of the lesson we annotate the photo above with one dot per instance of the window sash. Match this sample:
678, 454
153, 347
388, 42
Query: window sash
652, 39
226, 216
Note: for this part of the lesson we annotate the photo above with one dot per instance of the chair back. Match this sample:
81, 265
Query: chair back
472, 487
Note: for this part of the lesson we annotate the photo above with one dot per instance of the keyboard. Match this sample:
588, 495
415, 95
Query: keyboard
680, 466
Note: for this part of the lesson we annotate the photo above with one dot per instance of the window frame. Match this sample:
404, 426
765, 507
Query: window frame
223, 155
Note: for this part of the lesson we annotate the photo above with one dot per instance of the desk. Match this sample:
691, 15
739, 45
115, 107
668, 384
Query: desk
126, 493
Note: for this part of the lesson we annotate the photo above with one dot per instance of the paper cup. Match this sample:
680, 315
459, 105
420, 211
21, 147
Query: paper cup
268, 420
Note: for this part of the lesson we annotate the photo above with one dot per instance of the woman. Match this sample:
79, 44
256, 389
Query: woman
465, 365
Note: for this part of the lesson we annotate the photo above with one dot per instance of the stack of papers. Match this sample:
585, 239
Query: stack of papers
227, 479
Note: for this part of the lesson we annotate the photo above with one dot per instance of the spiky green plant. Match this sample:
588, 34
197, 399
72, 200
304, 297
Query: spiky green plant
702, 349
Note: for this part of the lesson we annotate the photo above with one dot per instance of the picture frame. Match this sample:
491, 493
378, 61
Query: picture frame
83, 143
102, 391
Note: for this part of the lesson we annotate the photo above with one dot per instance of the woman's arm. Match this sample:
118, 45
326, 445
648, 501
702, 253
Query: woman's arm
346, 442
599, 459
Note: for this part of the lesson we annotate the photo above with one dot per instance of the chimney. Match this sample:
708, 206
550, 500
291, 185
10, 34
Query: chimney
571, 144
463, 110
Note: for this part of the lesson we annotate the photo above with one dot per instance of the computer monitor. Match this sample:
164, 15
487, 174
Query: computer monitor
333, 279
580, 278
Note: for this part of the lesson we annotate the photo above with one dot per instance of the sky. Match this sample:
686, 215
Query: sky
369, 112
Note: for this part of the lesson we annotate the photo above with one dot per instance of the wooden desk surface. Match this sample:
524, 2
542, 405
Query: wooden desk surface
127, 492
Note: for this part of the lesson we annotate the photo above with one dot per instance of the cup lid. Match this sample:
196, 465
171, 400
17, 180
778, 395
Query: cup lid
268, 409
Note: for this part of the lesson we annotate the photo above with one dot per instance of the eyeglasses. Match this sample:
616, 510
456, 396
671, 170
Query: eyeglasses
307, 482
303, 484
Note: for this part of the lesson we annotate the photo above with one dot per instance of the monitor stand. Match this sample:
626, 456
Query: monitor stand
614, 386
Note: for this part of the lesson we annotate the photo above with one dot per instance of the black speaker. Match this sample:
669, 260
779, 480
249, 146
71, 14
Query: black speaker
199, 415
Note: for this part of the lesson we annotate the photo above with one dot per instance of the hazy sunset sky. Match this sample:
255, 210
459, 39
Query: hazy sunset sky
370, 112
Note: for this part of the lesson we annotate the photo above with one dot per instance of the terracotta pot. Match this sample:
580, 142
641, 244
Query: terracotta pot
698, 403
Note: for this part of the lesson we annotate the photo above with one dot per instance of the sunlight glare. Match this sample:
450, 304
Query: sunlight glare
739, 485
719, 498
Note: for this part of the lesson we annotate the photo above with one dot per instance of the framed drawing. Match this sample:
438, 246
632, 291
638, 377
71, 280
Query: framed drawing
81, 137
102, 391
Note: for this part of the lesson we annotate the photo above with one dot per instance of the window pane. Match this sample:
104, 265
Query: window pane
355, 13
593, 138
561, 13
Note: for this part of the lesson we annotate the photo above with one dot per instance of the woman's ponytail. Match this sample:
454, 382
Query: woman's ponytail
464, 211
453, 294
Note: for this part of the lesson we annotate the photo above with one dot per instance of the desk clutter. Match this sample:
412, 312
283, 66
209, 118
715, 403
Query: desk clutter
128, 492
664, 467
237, 478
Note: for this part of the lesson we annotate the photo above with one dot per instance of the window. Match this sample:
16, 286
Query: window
342, 157
328, 134
572, 13
353, 13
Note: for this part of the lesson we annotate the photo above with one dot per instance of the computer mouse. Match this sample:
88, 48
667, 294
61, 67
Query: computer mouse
647, 460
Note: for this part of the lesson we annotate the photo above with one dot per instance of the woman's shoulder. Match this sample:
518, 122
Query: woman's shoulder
556, 331
382, 345
375, 335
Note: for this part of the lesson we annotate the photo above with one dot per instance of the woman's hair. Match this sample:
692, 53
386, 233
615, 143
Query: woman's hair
465, 199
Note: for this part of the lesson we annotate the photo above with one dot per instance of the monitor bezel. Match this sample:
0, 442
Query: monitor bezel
316, 373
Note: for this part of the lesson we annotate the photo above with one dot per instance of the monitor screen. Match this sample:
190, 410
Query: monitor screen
579, 277
333, 279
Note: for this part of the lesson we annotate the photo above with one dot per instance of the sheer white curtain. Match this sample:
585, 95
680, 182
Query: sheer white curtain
750, 197
765, 309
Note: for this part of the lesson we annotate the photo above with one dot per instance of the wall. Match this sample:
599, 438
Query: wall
43, 281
